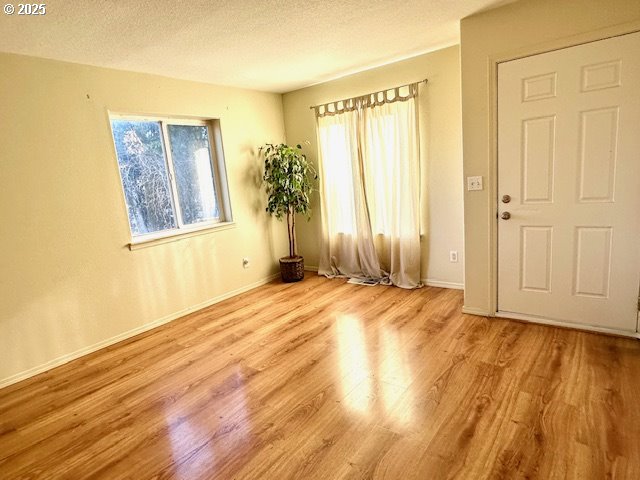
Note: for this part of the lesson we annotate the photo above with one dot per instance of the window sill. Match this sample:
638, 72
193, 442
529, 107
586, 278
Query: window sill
174, 235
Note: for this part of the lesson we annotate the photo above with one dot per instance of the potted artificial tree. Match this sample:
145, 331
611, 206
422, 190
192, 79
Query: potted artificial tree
288, 178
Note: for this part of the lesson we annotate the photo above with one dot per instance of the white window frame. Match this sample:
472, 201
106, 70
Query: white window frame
221, 186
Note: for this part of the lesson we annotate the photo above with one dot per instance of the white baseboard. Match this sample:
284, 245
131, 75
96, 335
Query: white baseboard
574, 326
430, 282
311, 268
475, 311
56, 362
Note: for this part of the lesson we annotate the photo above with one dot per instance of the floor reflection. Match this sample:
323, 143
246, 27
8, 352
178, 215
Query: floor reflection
395, 373
354, 363
223, 429
370, 377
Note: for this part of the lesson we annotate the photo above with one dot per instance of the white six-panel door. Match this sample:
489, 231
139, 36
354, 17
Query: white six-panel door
569, 159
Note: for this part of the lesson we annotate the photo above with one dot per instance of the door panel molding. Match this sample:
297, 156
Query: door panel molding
536, 246
594, 242
598, 139
599, 76
538, 159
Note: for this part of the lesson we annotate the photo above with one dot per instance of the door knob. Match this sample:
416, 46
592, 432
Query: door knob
505, 215
506, 198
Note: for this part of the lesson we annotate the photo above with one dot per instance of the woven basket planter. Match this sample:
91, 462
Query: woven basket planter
292, 269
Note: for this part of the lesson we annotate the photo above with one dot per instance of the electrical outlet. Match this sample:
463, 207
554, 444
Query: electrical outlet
453, 256
474, 183
245, 262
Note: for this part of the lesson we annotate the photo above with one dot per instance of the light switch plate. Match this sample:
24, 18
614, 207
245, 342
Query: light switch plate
474, 183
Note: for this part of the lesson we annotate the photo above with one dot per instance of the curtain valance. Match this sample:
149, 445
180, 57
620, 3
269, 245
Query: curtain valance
382, 97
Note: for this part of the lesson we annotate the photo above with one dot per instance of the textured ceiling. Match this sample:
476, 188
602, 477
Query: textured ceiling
272, 45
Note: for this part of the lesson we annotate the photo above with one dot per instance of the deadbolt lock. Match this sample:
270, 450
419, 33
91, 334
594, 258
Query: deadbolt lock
506, 199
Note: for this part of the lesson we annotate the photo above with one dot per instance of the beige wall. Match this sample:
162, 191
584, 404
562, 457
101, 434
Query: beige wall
442, 155
68, 282
512, 31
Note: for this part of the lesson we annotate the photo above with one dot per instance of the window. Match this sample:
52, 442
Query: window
172, 173
339, 193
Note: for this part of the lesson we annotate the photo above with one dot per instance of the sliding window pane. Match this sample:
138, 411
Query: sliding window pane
194, 173
144, 175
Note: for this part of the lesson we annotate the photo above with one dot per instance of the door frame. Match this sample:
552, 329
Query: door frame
492, 181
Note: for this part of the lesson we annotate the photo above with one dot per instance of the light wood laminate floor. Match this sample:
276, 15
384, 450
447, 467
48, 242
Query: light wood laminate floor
326, 380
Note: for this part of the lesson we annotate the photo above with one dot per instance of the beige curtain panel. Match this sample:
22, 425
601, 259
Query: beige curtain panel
370, 187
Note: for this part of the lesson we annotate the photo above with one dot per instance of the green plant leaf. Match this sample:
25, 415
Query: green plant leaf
289, 182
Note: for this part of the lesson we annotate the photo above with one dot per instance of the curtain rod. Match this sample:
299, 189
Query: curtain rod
426, 80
